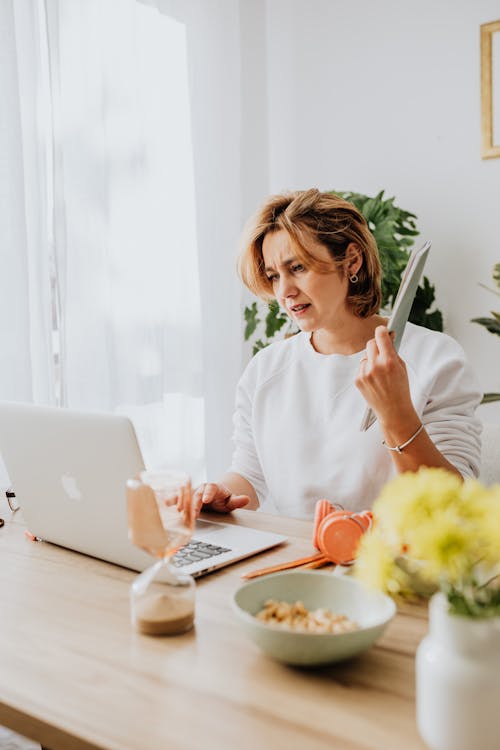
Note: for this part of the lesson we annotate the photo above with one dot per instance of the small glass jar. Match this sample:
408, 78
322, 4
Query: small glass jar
161, 521
162, 603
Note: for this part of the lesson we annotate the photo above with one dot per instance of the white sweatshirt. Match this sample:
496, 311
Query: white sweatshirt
298, 414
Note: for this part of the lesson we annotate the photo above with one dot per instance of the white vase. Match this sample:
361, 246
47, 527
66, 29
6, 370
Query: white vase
458, 681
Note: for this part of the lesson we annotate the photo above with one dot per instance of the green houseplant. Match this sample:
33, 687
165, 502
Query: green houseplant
394, 230
491, 324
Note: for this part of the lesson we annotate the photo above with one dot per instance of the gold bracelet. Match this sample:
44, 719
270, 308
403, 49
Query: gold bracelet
399, 448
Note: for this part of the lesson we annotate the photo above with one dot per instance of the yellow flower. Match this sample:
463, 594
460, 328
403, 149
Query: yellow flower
375, 565
490, 531
414, 498
475, 501
446, 545
444, 530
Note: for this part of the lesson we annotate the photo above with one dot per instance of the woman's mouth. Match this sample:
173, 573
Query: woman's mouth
299, 310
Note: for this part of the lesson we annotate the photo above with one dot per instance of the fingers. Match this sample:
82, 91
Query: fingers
227, 504
208, 494
381, 346
380, 351
371, 352
382, 376
217, 497
237, 501
381, 363
384, 341
203, 495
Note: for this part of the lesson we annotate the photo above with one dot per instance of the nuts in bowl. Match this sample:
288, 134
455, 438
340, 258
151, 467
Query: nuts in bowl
296, 617
309, 618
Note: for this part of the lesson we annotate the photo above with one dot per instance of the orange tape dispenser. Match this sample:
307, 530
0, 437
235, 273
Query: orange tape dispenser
337, 531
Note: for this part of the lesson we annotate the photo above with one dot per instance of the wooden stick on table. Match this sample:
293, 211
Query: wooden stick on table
312, 561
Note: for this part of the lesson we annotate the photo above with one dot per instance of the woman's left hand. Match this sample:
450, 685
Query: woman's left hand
383, 380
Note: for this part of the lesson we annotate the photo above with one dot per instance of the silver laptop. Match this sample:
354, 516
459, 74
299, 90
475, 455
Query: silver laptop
68, 470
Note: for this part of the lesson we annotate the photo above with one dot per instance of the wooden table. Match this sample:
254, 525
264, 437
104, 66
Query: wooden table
74, 676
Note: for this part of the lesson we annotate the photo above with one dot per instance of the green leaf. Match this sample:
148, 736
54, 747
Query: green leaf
433, 320
419, 313
369, 208
275, 319
488, 398
258, 345
425, 293
492, 325
252, 320
496, 274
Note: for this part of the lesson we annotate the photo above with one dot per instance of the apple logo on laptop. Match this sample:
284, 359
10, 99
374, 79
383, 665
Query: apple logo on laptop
70, 487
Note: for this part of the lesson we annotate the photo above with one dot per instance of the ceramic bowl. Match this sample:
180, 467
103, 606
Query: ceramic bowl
371, 610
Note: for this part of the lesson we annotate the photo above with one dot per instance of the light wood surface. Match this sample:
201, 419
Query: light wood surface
74, 676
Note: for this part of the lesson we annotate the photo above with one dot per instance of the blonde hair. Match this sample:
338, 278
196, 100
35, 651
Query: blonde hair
328, 219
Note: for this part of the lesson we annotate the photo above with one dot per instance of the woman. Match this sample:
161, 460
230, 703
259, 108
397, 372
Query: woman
300, 402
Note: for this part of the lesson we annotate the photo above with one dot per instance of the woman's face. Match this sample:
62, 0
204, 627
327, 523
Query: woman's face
312, 299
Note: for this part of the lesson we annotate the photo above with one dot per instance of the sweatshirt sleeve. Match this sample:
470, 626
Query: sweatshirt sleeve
453, 395
245, 460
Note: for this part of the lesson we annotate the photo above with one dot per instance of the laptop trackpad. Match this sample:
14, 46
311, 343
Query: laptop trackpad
219, 533
233, 537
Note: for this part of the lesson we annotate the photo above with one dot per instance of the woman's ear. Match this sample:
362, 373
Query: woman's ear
353, 259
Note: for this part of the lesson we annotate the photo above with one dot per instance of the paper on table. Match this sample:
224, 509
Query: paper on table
401, 308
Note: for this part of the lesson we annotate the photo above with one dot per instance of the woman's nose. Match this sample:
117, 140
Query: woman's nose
287, 287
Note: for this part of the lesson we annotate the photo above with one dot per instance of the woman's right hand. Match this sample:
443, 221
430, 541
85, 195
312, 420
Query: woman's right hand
218, 498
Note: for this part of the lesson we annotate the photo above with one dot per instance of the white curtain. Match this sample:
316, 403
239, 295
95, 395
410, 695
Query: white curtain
127, 261
215, 37
26, 366
25, 328
120, 137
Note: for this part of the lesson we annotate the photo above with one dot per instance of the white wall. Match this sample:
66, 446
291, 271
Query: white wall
364, 96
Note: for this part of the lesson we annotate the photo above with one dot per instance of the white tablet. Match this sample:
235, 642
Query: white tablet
402, 306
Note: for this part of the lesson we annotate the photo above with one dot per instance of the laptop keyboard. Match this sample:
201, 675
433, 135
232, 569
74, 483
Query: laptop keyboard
195, 551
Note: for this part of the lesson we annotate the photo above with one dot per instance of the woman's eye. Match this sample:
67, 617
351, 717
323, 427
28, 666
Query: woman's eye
272, 278
297, 268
